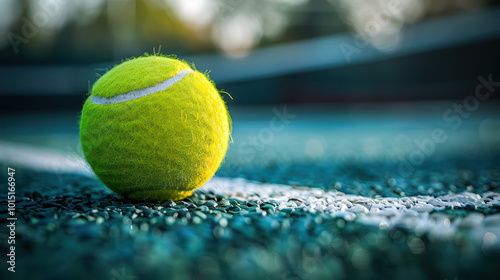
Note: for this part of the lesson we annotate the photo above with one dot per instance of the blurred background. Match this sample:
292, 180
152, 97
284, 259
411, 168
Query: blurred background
348, 80
261, 52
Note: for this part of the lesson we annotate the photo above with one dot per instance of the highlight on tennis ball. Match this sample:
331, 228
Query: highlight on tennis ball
154, 129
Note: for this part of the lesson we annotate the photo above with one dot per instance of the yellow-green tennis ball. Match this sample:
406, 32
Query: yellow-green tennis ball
154, 129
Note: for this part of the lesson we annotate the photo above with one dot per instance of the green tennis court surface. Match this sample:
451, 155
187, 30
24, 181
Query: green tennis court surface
304, 193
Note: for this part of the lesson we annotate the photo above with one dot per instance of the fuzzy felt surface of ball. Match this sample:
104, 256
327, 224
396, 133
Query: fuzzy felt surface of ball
153, 129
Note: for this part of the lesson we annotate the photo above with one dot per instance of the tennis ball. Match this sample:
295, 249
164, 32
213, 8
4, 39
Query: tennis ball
154, 129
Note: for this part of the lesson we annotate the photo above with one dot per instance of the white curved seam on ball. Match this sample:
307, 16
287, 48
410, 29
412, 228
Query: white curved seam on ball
135, 94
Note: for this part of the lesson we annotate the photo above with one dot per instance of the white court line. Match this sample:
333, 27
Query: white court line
42, 159
411, 212
140, 92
